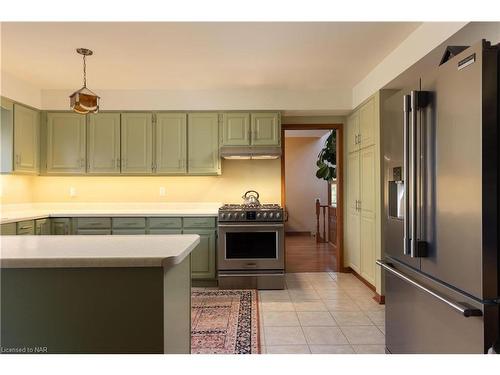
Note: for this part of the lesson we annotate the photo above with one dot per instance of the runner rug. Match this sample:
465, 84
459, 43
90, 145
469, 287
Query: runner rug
224, 322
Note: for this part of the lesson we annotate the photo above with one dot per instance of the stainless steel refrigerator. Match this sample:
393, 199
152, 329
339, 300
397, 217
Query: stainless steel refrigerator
440, 142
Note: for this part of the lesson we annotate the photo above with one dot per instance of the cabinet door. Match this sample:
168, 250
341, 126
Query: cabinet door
42, 226
203, 143
103, 143
65, 143
203, 256
367, 123
266, 129
137, 143
368, 213
8, 229
171, 129
60, 226
26, 136
353, 132
352, 240
236, 129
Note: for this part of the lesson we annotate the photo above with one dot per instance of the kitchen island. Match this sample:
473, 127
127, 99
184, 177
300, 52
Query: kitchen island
96, 294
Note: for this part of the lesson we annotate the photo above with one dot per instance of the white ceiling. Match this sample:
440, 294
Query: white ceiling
187, 56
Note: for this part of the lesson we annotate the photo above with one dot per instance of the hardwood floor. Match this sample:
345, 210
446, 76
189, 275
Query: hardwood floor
303, 254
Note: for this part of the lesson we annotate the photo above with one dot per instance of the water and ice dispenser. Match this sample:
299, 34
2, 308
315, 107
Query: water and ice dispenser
396, 194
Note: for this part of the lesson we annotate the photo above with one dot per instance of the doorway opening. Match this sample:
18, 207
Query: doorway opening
313, 229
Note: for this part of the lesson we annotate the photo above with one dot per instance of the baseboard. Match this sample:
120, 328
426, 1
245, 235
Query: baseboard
378, 298
308, 234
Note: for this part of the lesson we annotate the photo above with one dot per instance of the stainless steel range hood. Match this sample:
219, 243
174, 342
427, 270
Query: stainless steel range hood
248, 152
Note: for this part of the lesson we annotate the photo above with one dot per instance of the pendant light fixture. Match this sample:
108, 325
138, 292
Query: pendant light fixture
84, 101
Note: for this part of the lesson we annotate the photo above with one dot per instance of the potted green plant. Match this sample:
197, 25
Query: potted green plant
327, 159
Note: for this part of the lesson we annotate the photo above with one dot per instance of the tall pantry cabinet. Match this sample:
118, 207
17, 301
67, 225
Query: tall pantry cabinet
362, 229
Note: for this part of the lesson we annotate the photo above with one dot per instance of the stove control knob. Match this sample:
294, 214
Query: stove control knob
258, 215
264, 215
278, 215
271, 215
229, 216
242, 215
223, 216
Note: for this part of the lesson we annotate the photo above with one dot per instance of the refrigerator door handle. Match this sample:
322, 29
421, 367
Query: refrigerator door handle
461, 307
413, 173
406, 176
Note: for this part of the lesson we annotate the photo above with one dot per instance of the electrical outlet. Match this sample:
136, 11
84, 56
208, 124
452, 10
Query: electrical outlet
72, 191
162, 191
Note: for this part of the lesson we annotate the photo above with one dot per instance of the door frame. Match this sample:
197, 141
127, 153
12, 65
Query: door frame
340, 179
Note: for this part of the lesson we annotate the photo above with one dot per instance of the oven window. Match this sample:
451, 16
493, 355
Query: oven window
251, 245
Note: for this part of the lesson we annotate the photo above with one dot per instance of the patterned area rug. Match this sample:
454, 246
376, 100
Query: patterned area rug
224, 322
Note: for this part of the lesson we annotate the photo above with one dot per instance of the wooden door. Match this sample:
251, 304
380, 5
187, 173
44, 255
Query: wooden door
266, 129
103, 143
26, 136
203, 143
236, 129
137, 143
65, 143
170, 138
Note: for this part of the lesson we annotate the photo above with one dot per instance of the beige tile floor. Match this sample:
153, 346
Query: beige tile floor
321, 313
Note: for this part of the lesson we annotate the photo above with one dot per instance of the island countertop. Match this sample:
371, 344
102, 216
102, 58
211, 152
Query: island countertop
95, 251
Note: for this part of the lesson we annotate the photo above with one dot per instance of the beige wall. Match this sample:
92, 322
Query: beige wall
16, 189
238, 176
302, 186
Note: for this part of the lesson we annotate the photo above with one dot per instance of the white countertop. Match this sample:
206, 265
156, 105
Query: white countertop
95, 251
19, 212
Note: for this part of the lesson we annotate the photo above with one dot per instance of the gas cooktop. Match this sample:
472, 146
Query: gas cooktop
251, 212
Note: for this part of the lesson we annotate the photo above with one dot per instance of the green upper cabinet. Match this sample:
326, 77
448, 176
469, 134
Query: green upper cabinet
170, 141
265, 129
236, 129
65, 149
203, 143
103, 143
137, 143
26, 139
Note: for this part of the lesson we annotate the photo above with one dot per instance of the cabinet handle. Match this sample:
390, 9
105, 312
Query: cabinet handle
23, 228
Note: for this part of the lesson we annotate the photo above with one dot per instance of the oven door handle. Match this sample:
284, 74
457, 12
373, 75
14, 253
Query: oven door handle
252, 225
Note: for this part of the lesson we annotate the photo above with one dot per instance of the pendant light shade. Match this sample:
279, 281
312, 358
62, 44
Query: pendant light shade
84, 101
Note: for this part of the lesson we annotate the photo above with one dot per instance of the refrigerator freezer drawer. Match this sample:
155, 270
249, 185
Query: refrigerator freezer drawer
417, 322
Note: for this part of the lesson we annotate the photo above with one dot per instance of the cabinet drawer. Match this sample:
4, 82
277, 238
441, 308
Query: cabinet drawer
129, 231
129, 222
164, 222
8, 229
93, 231
199, 222
26, 227
164, 231
93, 223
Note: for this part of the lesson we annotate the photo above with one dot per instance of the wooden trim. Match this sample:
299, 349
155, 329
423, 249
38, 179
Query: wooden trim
377, 297
340, 179
296, 234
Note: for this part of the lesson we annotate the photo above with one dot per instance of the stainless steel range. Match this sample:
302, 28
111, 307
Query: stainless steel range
251, 245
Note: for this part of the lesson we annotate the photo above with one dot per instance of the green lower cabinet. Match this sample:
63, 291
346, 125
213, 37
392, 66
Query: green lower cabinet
42, 226
203, 257
26, 227
93, 231
8, 229
164, 231
129, 231
60, 226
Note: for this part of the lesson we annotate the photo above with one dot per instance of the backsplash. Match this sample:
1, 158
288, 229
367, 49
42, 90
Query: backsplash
237, 177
